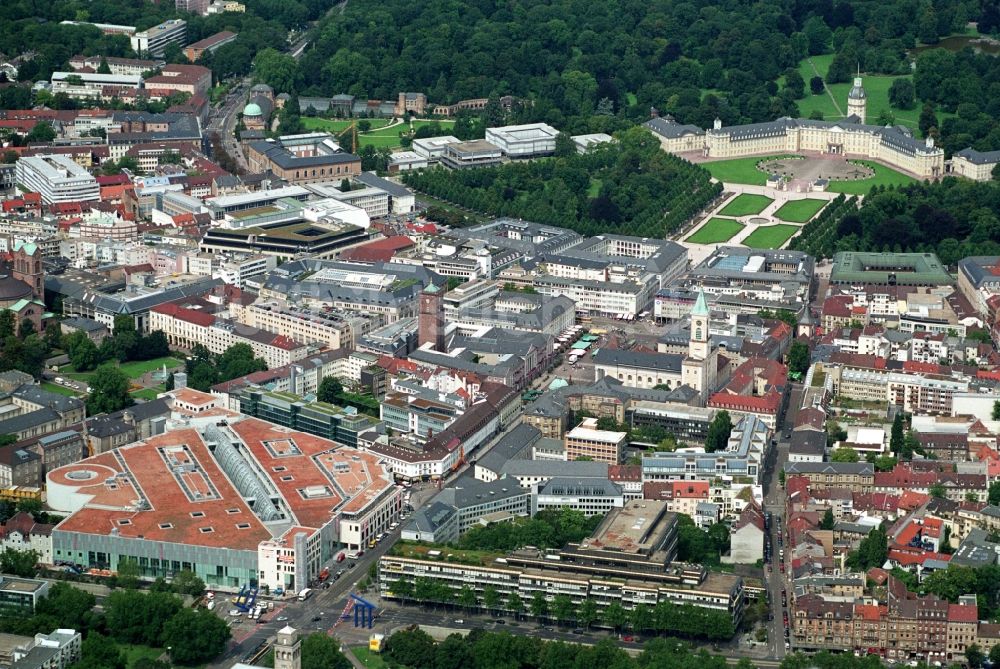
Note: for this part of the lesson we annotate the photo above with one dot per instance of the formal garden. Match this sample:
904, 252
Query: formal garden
715, 231
745, 204
799, 211
770, 236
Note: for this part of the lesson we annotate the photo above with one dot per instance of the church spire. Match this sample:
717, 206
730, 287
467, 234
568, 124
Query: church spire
700, 305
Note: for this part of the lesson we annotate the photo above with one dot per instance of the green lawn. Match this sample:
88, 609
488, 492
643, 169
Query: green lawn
740, 170
133, 369
339, 125
716, 230
876, 86
884, 176
799, 211
62, 390
136, 369
379, 135
368, 658
745, 204
771, 236
136, 652
389, 137
147, 394
594, 189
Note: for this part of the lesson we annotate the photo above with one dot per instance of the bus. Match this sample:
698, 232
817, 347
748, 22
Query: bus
304, 594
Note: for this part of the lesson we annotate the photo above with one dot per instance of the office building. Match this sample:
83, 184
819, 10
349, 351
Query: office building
57, 178
154, 40
524, 141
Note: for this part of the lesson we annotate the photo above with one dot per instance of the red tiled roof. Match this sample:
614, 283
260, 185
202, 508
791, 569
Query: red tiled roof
189, 315
625, 472
963, 613
380, 250
838, 306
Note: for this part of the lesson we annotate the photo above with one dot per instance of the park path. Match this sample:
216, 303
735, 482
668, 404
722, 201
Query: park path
827, 89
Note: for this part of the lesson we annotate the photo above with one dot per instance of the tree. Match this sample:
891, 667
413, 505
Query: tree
587, 613
42, 132
330, 389
100, 652
827, 522
104, 68
563, 608
195, 636
901, 94
277, 70
68, 605
798, 357
795, 84
994, 493
539, 606
238, 360
291, 121
140, 617
718, 432
564, 145
896, 436
995, 414
19, 563
844, 455
614, 615
609, 424
938, 490
816, 85
108, 390
872, 550
320, 651
515, 604
128, 573
186, 582
928, 119
467, 598
410, 648
995, 654
491, 598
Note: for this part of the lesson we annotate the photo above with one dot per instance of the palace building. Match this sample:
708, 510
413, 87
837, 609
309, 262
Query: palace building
851, 137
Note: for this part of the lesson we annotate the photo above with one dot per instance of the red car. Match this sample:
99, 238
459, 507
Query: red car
628, 639
782, 567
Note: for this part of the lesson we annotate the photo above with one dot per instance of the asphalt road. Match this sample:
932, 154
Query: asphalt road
774, 501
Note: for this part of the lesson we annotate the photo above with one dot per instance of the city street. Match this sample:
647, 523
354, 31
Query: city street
774, 502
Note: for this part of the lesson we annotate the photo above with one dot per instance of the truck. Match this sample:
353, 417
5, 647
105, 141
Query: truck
304, 594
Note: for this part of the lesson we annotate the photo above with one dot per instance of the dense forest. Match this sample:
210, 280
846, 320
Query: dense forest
966, 84
628, 187
696, 60
954, 218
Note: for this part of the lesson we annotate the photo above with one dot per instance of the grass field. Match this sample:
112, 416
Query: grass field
799, 211
339, 125
368, 659
136, 652
379, 136
884, 176
147, 394
876, 86
136, 369
62, 390
716, 230
594, 189
771, 236
740, 170
746, 204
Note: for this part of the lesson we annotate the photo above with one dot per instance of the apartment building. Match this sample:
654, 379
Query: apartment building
329, 328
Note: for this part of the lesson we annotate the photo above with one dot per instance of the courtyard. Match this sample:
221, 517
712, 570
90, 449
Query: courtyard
845, 175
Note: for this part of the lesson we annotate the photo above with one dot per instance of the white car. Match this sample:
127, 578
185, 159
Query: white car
236, 613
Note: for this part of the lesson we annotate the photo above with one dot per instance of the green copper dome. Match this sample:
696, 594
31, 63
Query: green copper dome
252, 109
